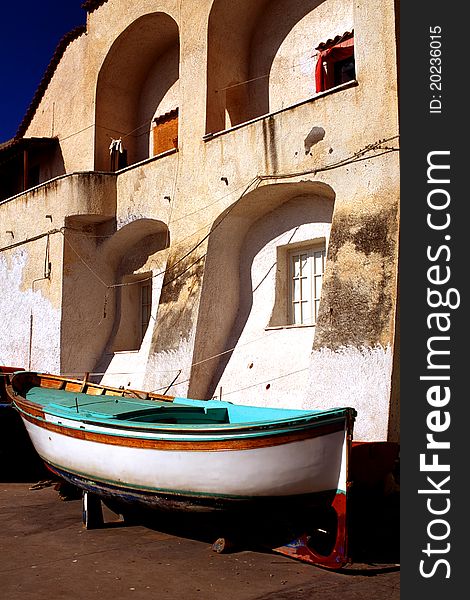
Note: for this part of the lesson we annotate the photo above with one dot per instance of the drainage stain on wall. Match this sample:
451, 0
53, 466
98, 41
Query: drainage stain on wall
360, 276
176, 310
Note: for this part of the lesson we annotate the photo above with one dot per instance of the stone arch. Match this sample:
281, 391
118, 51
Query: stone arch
238, 294
261, 55
137, 82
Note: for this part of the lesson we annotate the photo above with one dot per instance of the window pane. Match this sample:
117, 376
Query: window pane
317, 286
307, 313
305, 288
302, 313
297, 313
296, 265
317, 306
146, 305
296, 284
318, 263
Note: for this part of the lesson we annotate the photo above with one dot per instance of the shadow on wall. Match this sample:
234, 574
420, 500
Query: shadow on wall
159, 96
244, 41
140, 68
270, 32
127, 333
28, 162
93, 309
236, 297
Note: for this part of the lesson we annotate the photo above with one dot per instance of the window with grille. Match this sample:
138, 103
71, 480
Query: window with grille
306, 268
135, 311
145, 305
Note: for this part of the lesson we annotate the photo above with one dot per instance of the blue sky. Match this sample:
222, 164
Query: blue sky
31, 30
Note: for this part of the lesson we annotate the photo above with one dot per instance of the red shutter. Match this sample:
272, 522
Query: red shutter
328, 53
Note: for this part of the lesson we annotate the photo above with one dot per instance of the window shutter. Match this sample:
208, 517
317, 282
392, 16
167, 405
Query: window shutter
331, 53
165, 132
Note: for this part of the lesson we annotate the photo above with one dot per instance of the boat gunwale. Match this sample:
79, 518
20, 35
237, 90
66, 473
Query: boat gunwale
35, 378
293, 423
174, 435
175, 443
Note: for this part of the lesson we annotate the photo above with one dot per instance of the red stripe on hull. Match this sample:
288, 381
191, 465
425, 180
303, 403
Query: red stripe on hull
191, 446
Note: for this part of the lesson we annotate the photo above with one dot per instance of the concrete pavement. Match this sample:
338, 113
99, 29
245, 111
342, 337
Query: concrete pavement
47, 554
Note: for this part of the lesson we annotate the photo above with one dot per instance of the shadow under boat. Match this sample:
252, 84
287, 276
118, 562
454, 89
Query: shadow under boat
19, 461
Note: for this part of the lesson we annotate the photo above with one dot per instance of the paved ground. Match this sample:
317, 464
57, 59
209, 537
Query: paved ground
47, 553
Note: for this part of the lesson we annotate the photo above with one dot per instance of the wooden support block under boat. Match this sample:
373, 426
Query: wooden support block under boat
92, 511
223, 545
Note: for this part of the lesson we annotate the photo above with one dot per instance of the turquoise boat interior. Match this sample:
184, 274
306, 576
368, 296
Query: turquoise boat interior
132, 412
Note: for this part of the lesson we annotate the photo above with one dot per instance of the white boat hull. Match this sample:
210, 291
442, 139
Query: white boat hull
307, 466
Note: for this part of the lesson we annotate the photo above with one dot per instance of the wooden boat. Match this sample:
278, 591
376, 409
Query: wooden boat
170, 452
5, 377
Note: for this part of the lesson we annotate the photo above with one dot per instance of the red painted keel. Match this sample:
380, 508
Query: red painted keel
302, 548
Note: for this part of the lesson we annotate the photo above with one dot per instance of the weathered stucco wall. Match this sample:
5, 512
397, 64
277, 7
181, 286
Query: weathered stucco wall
283, 49
30, 334
266, 366
39, 271
206, 220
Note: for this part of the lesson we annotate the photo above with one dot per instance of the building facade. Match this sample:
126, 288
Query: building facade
203, 199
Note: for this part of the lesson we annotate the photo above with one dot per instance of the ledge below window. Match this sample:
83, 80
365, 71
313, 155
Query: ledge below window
338, 88
294, 326
146, 160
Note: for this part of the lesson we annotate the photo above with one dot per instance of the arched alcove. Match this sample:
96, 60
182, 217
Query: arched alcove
243, 291
137, 82
104, 271
261, 55
228, 62
135, 252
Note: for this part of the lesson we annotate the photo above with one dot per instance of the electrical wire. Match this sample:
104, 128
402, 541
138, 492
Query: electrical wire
204, 360
256, 181
148, 122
